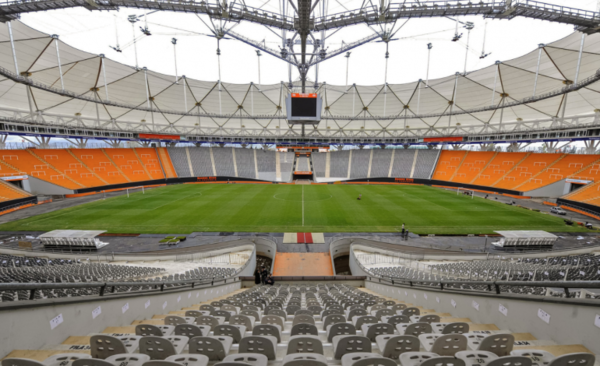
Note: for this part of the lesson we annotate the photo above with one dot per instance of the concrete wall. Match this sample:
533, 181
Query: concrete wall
38, 186
554, 190
568, 324
29, 328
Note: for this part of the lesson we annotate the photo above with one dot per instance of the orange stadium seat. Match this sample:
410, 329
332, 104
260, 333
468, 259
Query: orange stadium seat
498, 167
561, 169
97, 161
149, 158
129, 163
472, 165
167, 164
448, 163
69, 166
527, 171
41, 167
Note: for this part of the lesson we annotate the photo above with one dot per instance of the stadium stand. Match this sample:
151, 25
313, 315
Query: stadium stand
179, 158
359, 167
129, 163
448, 164
286, 163
403, 161
245, 163
306, 325
473, 163
224, 164
425, 163
320, 165
498, 167
10, 192
380, 164
303, 165
100, 165
150, 162
339, 164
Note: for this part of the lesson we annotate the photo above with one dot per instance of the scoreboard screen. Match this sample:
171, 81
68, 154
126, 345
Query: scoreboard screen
303, 107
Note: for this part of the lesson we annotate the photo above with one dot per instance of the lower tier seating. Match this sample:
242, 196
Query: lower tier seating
304, 326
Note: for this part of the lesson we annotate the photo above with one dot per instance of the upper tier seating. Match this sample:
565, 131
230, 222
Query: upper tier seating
380, 165
448, 163
303, 164
306, 326
81, 168
473, 163
359, 167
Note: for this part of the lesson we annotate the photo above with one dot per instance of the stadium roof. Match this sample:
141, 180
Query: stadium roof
97, 92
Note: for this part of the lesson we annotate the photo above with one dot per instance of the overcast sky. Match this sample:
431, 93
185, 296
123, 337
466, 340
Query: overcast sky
196, 52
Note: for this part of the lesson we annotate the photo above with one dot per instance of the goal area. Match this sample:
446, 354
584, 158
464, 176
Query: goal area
135, 188
465, 191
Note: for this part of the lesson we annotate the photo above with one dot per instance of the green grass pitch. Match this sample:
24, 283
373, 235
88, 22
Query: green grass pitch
293, 208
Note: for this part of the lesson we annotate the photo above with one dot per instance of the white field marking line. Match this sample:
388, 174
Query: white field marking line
283, 199
302, 205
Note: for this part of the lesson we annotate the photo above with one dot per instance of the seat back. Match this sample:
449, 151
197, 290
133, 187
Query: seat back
456, 328
365, 319
207, 320
277, 312
148, 330
333, 319
513, 361
397, 345
241, 320
193, 313
384, 312
267, 330
431, 318
274, 320
103, 346
500, 344
398, 319
356, 312
398, 307
443, 361
315, 309
161, 363
418, 328
207, 307
449, 344
87, 362
253, 359
304, 329
379, 329
230, 331
305, 344
303, 318
304, 359
20, 362
340, 329
157, 348
579, 359
303, 312
375, 361
174, 320
291, 309
351, 344
263, 345
253, 313
209, 347
411, 311
189, 330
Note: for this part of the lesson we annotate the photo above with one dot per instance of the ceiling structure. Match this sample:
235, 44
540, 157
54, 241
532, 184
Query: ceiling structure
45, 82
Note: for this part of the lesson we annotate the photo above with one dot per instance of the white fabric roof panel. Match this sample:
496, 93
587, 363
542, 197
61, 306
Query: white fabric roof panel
82, 71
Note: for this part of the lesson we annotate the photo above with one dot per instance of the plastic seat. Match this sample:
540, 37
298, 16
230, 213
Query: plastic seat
538, 357
395, 319
579, 359
278, 312
358, 321
65, 359
264, 345
303, 318
252, 313
244, 320
356, 312
236, 332
160, 363
499, 344
207, 320
174, 320
443, 344
398, 308
392, 346
340, 329
431, 318
130, 359
416, 358
196, 313
513, 361
191, 330
371, 331
331, 311
274, 320
268, 330
189, 360
207, 308
450, 328
384, 312
304, 329
366, 359
103, 346
20, 362
332, 319
215, 348
304, 344
343, 344
153, 330
253, 359
476, 358
411, 311
159, 348
414, 329
304, 359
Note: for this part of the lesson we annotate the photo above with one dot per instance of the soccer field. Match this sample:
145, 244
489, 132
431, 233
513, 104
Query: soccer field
293, 208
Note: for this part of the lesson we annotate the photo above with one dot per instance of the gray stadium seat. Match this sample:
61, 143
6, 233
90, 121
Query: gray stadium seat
189, 360
304, 359
392, 346
236, 332
103, 346
253, 359
476, 358
215, 348
304, 344
511, 361
130, 359
265, 345
344, 344
65, 359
